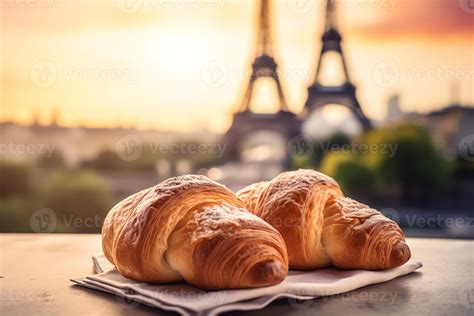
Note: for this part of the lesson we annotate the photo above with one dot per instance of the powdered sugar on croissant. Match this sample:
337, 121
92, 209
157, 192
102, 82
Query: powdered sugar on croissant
193, 228
321, 227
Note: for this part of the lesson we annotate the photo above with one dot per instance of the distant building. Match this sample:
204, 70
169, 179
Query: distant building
394, 111
78, 143
447, 126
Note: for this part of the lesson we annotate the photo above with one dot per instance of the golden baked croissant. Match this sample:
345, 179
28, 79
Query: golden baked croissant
321, 227
193, 228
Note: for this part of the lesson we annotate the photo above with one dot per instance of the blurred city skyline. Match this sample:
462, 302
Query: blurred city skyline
182, 65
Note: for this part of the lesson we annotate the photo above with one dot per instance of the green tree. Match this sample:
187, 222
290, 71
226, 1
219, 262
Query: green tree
80, 200
325, 147
415, 165
53, 161
332, 161
354, 177
105, 160
15, 179
15, 213
462, 168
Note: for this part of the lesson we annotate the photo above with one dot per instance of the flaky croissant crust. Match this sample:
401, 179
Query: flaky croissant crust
321, 227
160, 235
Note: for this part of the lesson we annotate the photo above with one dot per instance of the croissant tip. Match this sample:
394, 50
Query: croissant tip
267, 272
400, 254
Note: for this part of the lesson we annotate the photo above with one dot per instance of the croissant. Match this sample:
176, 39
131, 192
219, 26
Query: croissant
193, 228
321, 227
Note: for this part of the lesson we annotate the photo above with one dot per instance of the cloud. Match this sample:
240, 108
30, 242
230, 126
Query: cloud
70, 16
421, 18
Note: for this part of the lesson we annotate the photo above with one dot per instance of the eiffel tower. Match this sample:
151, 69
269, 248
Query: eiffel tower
345, 94
246, 121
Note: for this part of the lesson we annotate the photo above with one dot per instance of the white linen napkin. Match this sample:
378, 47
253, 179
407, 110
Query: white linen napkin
186, 299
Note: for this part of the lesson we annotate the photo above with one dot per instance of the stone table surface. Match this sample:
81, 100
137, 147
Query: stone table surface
35, 270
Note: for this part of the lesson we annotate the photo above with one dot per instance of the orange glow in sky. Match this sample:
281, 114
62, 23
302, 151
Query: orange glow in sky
182, 64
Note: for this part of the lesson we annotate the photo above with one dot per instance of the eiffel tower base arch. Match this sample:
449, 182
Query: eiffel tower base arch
245, 123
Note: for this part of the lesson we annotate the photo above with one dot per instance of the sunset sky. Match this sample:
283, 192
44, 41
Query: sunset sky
182, 64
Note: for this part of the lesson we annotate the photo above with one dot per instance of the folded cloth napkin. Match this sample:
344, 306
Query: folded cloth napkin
189, 300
